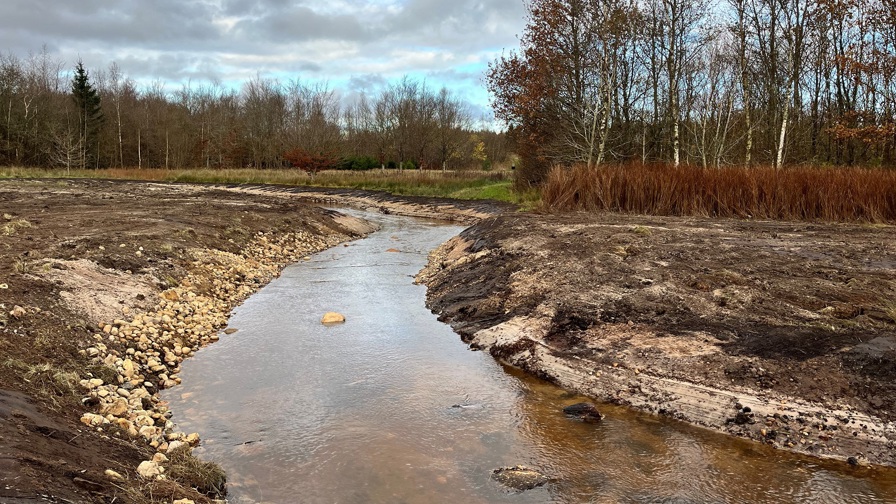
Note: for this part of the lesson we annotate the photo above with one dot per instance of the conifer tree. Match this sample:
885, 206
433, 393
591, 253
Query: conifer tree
90, 114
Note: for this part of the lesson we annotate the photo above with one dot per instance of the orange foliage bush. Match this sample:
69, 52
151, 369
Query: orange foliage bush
804, 193
310, 162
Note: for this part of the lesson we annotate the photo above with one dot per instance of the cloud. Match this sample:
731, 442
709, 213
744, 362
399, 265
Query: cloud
359, 44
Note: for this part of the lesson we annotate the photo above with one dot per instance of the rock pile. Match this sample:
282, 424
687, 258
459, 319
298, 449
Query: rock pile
138, 357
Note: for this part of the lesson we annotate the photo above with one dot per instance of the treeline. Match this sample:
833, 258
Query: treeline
60, 116
700, 82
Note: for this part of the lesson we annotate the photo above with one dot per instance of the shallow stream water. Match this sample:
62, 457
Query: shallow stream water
362, 412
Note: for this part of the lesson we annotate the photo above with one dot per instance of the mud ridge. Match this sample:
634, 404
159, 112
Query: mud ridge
782, 333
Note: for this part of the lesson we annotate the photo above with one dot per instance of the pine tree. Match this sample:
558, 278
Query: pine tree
90, 114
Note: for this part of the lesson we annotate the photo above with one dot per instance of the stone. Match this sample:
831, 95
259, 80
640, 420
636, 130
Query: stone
117, 408
176, 445
159, 458
148, 432
144, 421
332, 318
584, 411
112, 475
93, 420
519, 478
858, 461
230, 330
192, 439
17, 312
128, 368
149, 469
183, 501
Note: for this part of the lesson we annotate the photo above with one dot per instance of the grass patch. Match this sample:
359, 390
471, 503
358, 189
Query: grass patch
206, 478
890, 310
14, 225
48, 381
500, 191
801, 194
161, 492
103, 372
21, 266
470, 184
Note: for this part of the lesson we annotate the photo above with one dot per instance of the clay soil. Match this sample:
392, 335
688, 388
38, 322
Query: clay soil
781, 332
55, 239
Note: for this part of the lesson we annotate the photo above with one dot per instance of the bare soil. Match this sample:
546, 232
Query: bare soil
780, 332
75, 255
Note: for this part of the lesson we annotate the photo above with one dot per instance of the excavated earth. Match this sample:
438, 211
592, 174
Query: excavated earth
780, 332
784, 333
105, 287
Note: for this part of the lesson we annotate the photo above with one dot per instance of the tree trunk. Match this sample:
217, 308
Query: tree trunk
779, 159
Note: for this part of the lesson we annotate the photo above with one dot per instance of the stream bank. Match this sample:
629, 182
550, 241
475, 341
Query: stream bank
782, 333
389, 407
105, 288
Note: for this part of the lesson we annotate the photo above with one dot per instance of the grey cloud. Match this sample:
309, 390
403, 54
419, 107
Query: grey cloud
363, 43
148, 24
301, 24
369, 83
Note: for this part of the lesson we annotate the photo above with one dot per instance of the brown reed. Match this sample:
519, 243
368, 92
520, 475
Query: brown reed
799, 193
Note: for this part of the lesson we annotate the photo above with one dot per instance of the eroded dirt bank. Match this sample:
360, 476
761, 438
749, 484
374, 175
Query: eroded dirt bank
784, 333
104, 289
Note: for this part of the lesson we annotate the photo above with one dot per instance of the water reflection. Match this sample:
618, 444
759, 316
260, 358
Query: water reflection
362, 412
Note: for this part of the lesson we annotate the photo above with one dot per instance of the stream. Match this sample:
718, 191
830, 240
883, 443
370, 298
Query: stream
391, 407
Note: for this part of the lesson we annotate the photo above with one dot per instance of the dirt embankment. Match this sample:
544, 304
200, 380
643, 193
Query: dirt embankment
104, 289
461, 211
784, 333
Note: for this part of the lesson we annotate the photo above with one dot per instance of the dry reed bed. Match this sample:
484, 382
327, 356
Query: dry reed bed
827, 194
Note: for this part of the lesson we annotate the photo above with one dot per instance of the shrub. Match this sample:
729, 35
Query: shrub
309, 161
530, 172
359, 163
804, 193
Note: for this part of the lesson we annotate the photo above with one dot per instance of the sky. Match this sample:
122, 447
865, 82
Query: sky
353, 46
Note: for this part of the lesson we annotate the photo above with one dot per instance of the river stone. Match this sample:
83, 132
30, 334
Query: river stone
519, 478
18, 312
584, 411
149, 469
173, 446
230, 330
113, 475
117, 408
332, 318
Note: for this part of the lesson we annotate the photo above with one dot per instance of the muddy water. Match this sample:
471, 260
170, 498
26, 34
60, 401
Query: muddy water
362, 412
